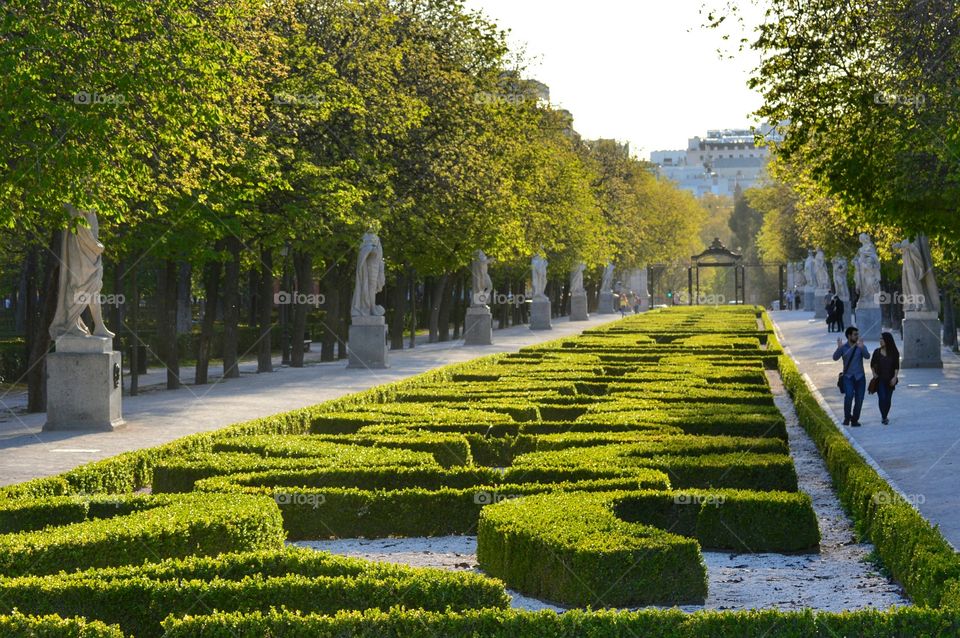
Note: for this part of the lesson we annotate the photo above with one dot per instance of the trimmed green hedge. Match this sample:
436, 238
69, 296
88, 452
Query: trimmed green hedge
18, 625
906, 622
190, 524
303, 580
608, 548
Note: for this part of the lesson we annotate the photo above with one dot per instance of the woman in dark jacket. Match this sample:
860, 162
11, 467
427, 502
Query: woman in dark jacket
885, 364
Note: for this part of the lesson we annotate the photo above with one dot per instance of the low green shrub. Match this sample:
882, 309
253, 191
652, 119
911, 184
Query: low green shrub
18, 625
190, 524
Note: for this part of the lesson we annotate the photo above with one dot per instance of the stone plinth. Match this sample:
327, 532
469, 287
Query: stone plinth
578, 307
84, 388
819, 303
921, 340
605, 305
869, 321
478, 326
367, 343
808, 295
540, 314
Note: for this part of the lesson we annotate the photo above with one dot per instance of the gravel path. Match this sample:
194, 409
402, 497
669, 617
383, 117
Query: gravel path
839, 578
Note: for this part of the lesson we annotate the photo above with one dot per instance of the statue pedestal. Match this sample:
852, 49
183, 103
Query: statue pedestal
478, 326
84, 389
869, 321
578, 307
605, 305
819, 303
367, 343
808, 295
921, 340
540, 311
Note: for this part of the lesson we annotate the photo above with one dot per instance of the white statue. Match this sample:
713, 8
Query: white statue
867, 272
920, 289
81, 278
820, 268
370, 278
799, 277
539, 276
576, 280
809, 270
482, 284
840, 278
606, 284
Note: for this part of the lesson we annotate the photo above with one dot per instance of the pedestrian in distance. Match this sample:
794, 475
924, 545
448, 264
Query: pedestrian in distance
885, 364
838, 310
852, 380
831, 304
624, 304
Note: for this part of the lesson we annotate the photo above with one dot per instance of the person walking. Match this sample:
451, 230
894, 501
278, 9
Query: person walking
838, 311
885, 364
830, 303
852, 379
624, 304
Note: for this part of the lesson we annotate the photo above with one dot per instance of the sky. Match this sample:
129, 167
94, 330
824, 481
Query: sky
641, 71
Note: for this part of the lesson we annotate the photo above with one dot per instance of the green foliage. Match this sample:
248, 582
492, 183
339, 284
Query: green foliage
18, 625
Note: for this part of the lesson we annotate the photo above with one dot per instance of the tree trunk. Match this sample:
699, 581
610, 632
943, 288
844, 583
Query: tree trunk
412, 278
134, 334
949, 321
397, 320
231, 309
211, 291
264, 349
446, 309
184, 302
437, 295
253, 288
346, 282
116, 311
331, 318
303, 265
39, 318
457, 308
167, 291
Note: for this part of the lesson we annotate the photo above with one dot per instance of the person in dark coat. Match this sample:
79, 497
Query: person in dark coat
838, 311
885, 364
831, 303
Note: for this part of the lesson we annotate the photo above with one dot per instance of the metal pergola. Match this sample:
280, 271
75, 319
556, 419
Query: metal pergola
716, 256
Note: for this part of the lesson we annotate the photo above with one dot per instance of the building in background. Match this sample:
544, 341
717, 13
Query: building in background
719, 162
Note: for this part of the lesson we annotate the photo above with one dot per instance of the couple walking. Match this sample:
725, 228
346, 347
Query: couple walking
885, 363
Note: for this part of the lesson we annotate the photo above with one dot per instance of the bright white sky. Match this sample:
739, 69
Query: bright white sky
642, 71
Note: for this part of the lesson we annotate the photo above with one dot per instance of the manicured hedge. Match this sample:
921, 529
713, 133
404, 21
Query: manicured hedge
303, 580
191, 524
908, 622
601, 549
18, 625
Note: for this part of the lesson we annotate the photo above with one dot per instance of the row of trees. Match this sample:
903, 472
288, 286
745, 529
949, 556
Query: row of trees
223, 142
867, 92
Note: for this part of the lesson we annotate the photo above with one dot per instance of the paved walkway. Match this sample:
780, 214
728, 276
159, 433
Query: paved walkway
920, 450
160, 416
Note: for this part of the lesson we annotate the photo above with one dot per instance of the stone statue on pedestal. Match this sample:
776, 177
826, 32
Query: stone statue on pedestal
867, 273
576, 280
606, 284
370, 278
809, 270
81, 278
800, 279
840, 279
482, 284
820, 268
539, 276
920, 290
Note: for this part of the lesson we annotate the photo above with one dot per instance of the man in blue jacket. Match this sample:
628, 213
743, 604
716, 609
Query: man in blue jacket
852, 353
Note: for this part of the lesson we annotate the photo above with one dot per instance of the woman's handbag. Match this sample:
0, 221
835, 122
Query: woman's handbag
874, 384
